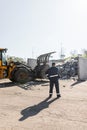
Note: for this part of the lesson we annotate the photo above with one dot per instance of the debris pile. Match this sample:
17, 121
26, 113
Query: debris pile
68, 69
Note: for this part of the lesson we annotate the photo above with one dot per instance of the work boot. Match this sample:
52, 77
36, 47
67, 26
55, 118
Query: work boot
50, 95
58, 96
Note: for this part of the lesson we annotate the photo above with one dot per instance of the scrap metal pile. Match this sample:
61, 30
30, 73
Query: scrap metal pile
68, 69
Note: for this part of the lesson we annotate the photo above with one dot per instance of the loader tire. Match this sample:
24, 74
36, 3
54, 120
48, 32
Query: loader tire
21, 75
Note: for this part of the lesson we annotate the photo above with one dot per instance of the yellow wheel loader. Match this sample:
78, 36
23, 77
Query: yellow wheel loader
15, 71
19, 72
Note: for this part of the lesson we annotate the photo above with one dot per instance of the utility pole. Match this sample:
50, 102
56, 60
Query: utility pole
61, 53
32, 53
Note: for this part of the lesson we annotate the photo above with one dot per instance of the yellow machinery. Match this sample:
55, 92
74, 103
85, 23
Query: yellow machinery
15, 71
18, 72
3, 63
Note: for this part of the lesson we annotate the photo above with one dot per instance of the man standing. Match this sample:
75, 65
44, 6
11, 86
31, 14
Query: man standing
52, 74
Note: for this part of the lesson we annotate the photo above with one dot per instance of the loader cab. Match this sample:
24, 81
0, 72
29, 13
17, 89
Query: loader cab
3, 63
3, 60
44, 59
42, 65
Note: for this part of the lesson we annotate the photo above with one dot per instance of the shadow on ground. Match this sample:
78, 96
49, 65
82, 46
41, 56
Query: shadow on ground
25, 86
35, 109
7, 84
77, 82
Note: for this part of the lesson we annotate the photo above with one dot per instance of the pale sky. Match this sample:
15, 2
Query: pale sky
29, 28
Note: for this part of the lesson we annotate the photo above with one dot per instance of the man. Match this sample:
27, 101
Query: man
52, 74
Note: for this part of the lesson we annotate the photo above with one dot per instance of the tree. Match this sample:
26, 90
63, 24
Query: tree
84, 53
16, 59
73, 53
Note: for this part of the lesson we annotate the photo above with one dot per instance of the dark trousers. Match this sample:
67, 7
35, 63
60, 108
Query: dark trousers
52, 84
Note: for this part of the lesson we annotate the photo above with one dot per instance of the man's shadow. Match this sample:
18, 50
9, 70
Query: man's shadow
33, 110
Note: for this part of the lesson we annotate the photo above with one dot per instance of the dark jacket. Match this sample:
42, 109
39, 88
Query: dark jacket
52, 73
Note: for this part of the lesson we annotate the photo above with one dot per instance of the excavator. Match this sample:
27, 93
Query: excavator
22, 73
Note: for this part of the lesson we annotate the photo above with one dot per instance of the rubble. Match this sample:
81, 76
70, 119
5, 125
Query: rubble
68, 69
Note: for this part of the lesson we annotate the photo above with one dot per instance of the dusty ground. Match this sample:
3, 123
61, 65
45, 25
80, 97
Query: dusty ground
25, 107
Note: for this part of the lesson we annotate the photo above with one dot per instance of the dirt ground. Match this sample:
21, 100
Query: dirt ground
26, 106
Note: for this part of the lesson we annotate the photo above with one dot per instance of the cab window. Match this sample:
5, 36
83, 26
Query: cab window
4, 62
0, 55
